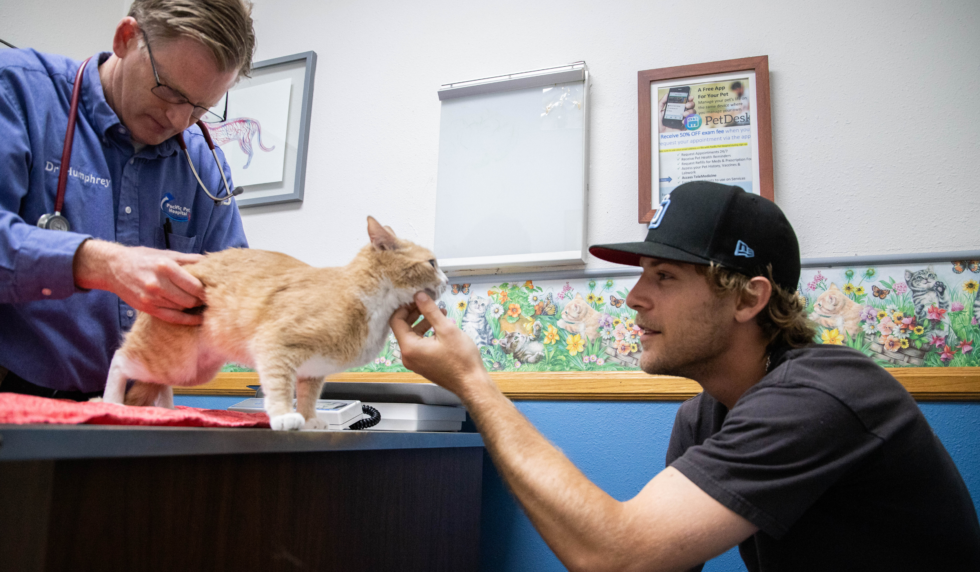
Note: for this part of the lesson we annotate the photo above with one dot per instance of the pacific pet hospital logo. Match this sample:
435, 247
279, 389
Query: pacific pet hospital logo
173, 211
73, 172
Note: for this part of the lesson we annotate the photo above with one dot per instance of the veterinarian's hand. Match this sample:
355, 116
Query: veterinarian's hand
448, 358
147, 279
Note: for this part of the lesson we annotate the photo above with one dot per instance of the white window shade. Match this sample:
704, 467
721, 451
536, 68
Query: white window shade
513, 171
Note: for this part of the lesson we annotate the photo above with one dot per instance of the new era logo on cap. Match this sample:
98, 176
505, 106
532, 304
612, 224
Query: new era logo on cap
742, 249
660, 213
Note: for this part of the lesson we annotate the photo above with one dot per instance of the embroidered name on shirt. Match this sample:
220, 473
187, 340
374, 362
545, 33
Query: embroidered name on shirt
73, 172
174, 211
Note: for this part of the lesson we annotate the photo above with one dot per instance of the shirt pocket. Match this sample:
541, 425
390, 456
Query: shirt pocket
178, 243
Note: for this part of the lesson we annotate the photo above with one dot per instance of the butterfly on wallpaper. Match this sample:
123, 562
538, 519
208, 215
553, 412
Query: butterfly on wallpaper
880, 292
960, 265
464, 288
618, 302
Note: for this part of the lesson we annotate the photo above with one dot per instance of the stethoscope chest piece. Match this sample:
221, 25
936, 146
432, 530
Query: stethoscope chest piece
53, 222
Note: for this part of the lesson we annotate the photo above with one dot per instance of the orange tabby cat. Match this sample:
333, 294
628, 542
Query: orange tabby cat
295, 324
579, 317
833, 309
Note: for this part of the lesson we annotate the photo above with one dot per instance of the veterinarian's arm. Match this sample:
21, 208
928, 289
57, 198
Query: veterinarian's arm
147, 279
670, 525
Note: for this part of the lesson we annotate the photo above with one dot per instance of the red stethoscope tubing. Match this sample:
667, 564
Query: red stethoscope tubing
59, 201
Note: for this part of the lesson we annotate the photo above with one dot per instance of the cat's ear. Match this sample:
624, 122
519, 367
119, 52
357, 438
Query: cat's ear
391, 230
381, 237
908, 275
833, 286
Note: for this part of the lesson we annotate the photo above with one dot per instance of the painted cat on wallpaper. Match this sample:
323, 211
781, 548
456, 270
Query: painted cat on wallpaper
927, 291
525, 348
475, 323
578, 317
833, 309
295, 324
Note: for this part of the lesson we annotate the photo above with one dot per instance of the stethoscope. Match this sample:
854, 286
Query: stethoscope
56, 221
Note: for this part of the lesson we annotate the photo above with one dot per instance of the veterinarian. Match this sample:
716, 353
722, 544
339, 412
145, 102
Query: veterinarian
806, 456
135, 209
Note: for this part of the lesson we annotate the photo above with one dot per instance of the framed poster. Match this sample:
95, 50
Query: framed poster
265, 135
704, 122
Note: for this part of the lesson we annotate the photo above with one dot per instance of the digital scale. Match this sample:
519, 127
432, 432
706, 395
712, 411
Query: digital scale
338, 414
403, 406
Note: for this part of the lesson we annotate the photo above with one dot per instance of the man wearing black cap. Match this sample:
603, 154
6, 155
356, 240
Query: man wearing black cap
809, 457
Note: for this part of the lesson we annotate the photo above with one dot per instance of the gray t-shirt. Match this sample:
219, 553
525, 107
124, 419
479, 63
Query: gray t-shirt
831, 458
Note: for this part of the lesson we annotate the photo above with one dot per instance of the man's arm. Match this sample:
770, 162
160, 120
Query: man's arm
670, 525
147, 279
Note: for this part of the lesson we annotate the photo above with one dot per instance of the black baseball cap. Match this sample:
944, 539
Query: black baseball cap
703, 222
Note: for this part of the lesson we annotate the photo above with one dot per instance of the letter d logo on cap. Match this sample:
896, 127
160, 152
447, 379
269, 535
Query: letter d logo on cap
660, 213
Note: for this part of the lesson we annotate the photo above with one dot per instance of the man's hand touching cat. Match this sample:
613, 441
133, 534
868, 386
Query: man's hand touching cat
449, 358
147, 279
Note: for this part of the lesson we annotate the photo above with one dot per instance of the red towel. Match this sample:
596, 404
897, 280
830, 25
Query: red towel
22, 409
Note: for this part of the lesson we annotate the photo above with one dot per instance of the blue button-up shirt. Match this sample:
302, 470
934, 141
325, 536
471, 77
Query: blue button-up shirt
52, 333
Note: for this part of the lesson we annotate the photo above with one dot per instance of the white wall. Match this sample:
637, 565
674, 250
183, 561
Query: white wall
874, 148
873, 106
74, 28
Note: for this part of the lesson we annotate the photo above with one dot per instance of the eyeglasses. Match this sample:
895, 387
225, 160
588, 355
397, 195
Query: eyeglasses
171, 95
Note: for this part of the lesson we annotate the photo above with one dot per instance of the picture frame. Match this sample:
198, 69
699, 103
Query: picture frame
725, 137
291, 79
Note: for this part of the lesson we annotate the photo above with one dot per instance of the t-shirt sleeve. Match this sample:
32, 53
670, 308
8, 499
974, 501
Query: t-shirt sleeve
780, 448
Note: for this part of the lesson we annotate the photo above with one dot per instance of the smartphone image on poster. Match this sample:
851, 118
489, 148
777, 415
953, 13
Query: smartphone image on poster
674, 110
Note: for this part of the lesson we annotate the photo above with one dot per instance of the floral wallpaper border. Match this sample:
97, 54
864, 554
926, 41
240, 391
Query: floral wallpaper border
899, 315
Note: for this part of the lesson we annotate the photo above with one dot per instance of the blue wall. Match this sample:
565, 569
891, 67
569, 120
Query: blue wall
621, 446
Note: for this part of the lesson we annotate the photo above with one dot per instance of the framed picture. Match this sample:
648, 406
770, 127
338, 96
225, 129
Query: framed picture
707, 122
265, 134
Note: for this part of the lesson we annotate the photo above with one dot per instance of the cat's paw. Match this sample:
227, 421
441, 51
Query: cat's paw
315, 424
287, 422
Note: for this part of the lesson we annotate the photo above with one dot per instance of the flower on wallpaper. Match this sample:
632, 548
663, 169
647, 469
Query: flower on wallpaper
622, 347
947, 354
575, 344
885, 326
513, 311
935, 313
832, 337
529, 285
461, 305
966, 347
551, 335
848, 288
496, 310
937, 340
901, 288
956, 307
892, 344
971, 286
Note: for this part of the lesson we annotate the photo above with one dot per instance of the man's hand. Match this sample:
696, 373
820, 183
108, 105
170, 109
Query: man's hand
688, 110
147, 279
448, 358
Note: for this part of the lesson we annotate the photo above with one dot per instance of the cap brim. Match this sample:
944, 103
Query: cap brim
629, 253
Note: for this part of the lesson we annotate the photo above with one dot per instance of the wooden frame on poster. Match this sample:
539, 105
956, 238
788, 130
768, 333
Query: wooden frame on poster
691, 74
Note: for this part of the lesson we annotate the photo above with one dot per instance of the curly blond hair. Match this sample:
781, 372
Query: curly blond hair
224, 26
783, 320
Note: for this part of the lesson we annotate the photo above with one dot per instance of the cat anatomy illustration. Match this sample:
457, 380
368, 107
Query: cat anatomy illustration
833, 309
295, 324
241, 130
